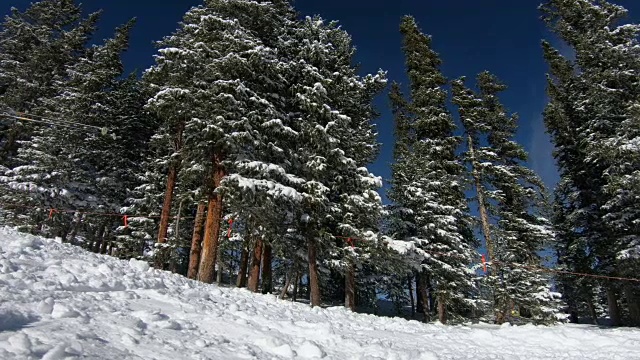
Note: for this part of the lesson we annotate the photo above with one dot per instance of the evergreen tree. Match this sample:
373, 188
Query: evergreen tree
515, 202
37, 46
595, 95
66, 166
430, 184
217, 78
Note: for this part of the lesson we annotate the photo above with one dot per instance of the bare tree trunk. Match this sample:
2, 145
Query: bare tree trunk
95, 247
296, 286
484, 216
242, 272
486, 227
267, 286
350, 286
633, 304
254, 274
419, 300
422, 289
99, 238
413, 305
212, 227
105, 242
314, 281
171, 185
442, 309
220, 272
287, 283
196, 238
614, 310
592, 312
74, 229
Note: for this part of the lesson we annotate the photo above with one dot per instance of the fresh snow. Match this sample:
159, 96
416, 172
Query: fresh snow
60, 302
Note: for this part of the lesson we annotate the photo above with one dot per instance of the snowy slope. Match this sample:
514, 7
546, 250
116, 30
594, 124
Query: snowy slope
57, 302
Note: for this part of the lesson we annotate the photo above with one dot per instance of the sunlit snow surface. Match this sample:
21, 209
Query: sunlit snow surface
60, 302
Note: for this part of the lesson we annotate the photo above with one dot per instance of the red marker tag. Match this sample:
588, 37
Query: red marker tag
230, 226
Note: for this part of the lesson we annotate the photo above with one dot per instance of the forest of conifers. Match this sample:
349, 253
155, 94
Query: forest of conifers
241, 157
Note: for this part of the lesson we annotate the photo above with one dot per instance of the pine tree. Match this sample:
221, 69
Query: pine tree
215, 76
594, 97
430, 182
37, 46
513, 198
64, 166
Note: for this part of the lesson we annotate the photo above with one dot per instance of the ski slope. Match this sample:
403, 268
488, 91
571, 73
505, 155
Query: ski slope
60, 302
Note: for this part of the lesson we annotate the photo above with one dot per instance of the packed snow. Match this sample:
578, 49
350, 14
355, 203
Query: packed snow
60, 302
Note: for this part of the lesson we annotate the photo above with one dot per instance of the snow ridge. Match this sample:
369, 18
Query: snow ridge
60, 302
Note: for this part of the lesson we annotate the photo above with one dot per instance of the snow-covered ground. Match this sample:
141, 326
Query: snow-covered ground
57, 302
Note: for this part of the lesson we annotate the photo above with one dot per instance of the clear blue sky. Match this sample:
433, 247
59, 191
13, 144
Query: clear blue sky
502, 36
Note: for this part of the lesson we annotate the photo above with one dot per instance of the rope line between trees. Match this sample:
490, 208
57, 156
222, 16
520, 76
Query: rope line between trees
350, 240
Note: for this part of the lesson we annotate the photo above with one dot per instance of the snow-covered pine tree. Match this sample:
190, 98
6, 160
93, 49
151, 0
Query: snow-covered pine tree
514, 200
355, 204
36, 48
593, 97
330, 109
573, 190
125, 164
431, 183
218, 85
401, 221
58, 166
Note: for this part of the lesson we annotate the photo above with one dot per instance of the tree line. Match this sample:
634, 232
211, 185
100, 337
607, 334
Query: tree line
241, 157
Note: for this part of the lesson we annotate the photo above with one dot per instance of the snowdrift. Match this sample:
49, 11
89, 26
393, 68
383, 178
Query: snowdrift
60, 302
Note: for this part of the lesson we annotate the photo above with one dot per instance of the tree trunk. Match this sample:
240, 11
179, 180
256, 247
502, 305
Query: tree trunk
442, 309
614, 310
419, 300
74, 229
422, 289
314, 281
165, 214
242, 271
287, 285
196, 238
350, 286
267, 286
413, 305
592, 312
171, 185
296, 286
254, 274
104, 247
220, 271
166, 205
484, 216
99, 238
486, 229
209, 254
632, 304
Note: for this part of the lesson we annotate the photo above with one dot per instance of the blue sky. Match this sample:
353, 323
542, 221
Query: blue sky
502, 36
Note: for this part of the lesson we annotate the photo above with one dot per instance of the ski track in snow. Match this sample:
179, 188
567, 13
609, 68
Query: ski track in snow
60, 302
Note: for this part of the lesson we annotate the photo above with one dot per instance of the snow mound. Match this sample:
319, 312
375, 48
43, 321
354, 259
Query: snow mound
60, 302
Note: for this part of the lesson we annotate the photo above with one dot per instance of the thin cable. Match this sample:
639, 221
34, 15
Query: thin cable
58, 120
498, 263
43, 122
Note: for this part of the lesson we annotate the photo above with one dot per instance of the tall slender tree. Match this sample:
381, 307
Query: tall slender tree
431, 182
514, 202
